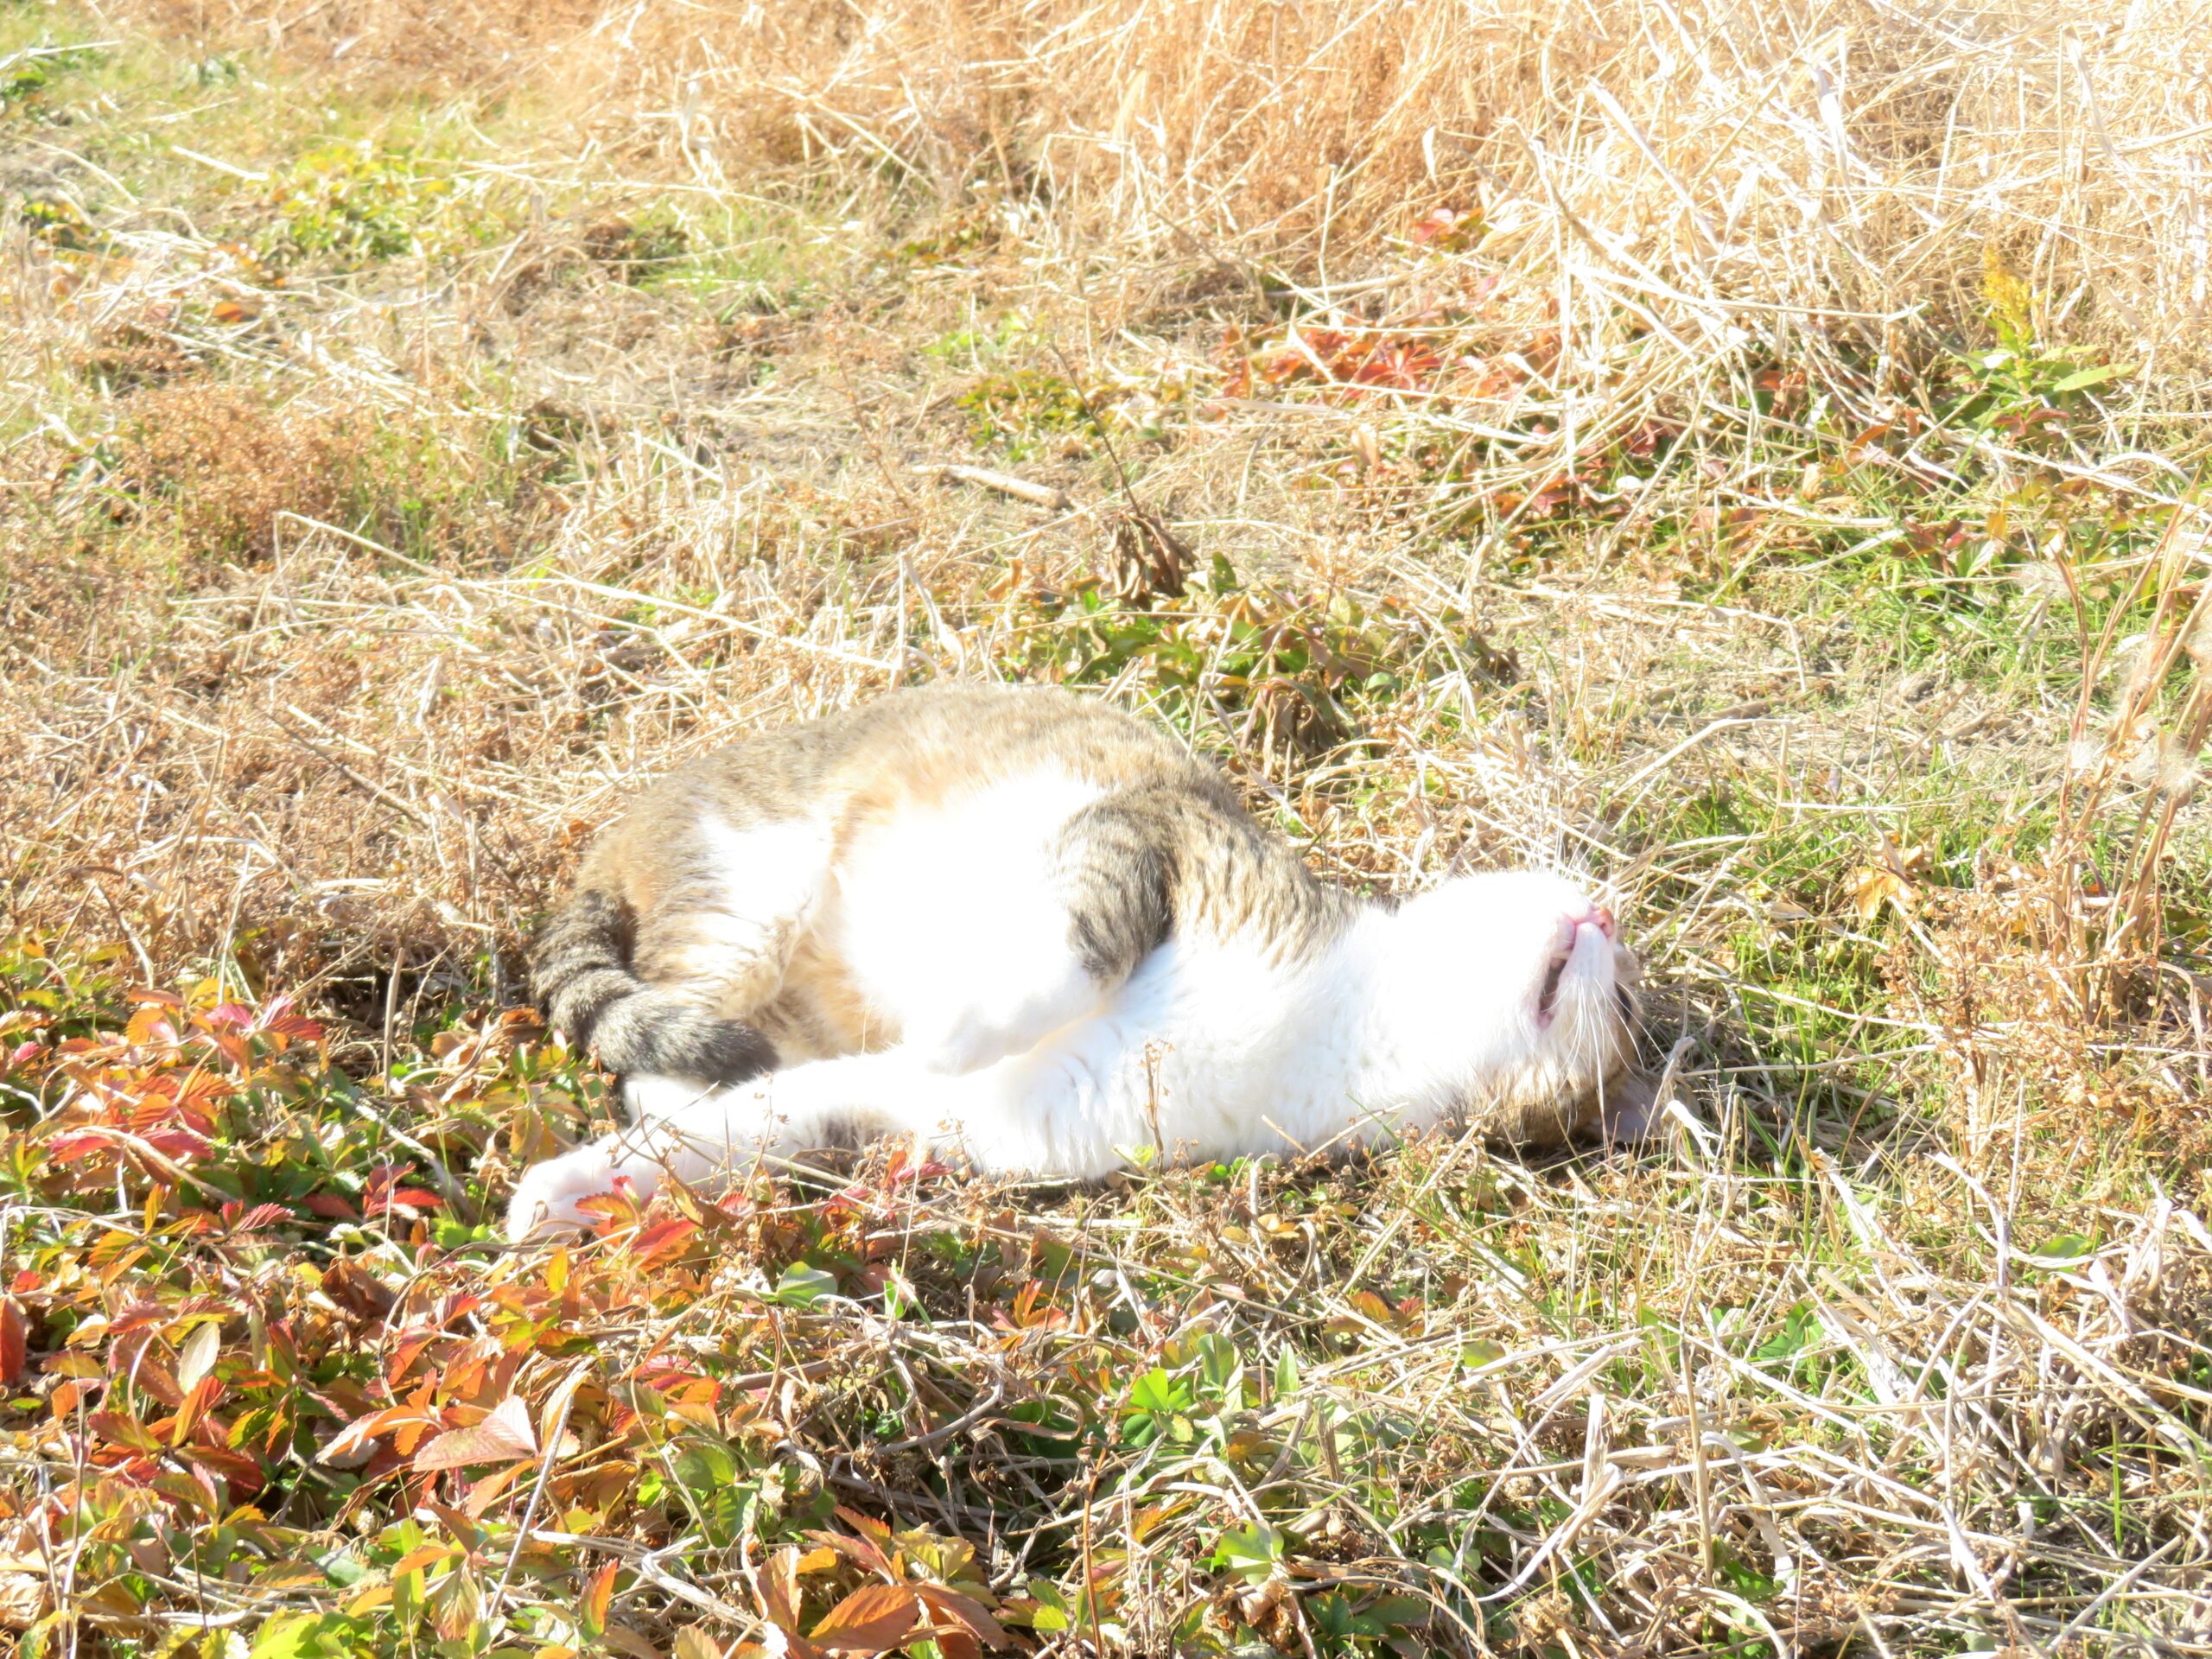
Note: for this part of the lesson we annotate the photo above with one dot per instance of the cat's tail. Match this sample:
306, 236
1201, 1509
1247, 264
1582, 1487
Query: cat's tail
580, 973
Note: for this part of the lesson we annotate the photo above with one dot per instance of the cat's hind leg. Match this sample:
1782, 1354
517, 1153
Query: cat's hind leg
711, 950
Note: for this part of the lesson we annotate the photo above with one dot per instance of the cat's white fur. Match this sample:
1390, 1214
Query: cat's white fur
949, 923
1003, 1050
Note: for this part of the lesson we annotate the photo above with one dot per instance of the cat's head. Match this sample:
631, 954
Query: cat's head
1533, 994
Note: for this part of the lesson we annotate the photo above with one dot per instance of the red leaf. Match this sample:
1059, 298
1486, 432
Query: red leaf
502, 1437
381, 1196
357, 1290
663, 1238
243, 1473
277, 1019
14, 1343
330, 1206
181, 1145
902, 1171
873, 1619
68, 1148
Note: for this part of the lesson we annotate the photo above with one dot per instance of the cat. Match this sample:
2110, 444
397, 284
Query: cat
1032, 930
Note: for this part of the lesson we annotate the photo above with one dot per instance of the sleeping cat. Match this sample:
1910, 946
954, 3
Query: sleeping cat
1032, 930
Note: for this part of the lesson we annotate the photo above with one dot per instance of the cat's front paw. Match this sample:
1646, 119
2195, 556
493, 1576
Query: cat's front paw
548, 1198
1632, 1111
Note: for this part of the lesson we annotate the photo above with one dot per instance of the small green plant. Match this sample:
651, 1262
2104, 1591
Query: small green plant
1296, 675
26, 73
1026, 412
60, 223
969, 231
356, 203
217, 69
2024, 386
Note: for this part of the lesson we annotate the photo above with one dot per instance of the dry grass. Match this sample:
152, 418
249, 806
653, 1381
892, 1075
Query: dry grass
1713, 169
228, 469
1747, 455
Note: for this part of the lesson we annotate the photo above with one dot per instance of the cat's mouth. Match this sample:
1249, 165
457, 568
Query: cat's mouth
1547, 993
1570, 938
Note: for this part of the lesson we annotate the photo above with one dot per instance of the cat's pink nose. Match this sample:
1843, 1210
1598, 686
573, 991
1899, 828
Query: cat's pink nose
1602, 919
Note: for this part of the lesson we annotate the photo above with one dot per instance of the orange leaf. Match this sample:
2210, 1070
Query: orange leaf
421, 1556
873, 1619
149, 1024
599, 1598
951, 1605
410, 1419
1871, 889
485, 1492
873, 1550
779, 1590
663, 1239
503, 1436
1371, 1305
191, 1408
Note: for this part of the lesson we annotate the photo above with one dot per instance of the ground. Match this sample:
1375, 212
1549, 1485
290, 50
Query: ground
1622, 446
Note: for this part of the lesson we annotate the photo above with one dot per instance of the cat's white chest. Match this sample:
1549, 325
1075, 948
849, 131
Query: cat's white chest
957, 903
